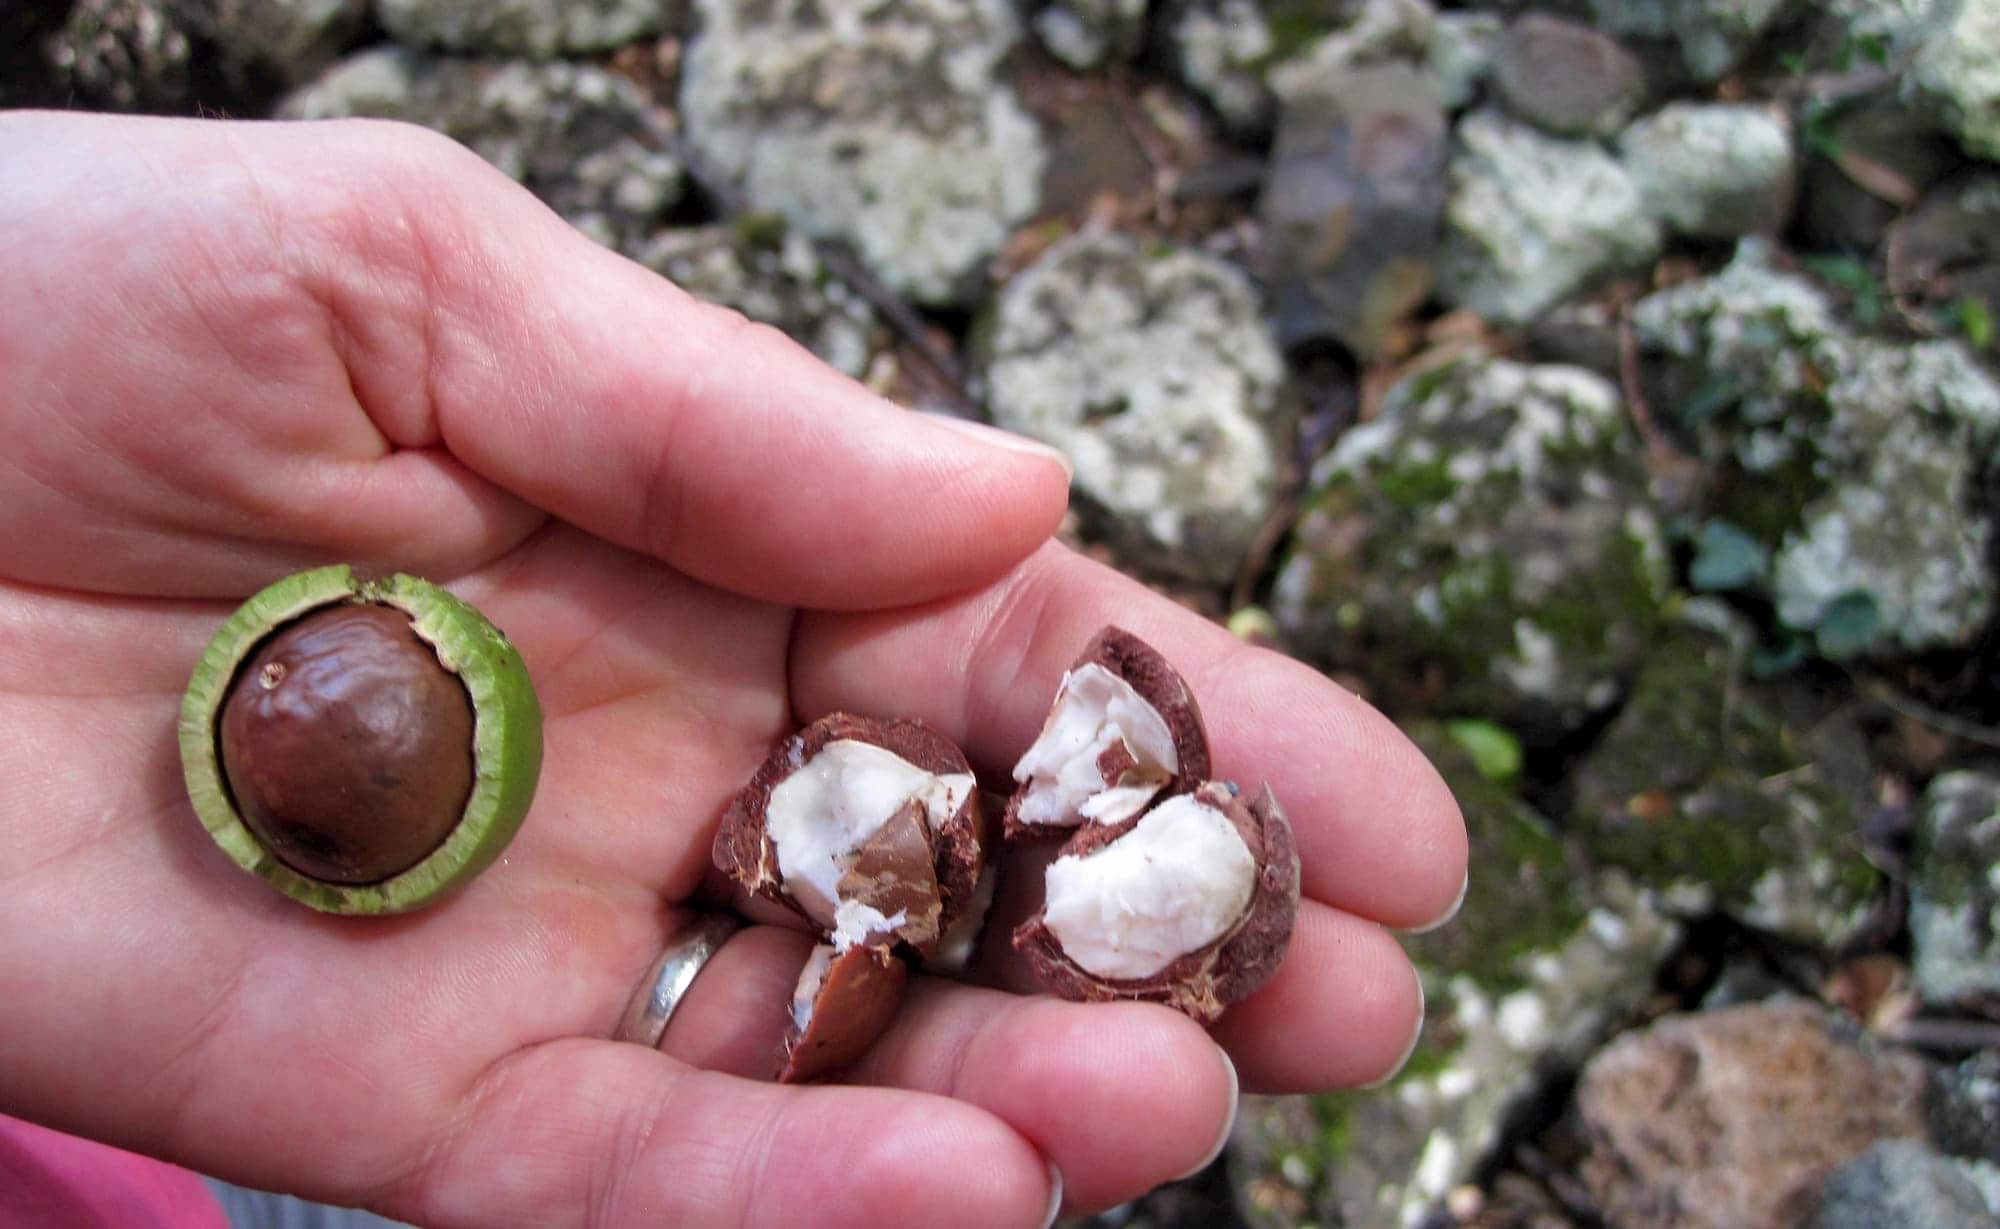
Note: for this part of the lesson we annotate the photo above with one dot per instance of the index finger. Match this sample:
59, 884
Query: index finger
1378, 832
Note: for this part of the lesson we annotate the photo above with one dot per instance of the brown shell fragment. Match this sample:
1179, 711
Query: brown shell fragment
884, 872
1143, 669
1204, 982
843, 1002
894, 872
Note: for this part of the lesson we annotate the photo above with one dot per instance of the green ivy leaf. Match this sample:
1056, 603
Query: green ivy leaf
1975, 319
1495, 752
1772, 660
1847, 626
1712, 396
1726, 557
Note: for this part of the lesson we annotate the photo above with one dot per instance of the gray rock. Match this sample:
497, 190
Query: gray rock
1151, 368
1241, 55
1531, 218
1965, 1108
772, 275
1960, 70
588, 142
1901, 1184
1948, 248
1352, 206
1567, 78
1745, 797
1537, 969
1355, 33
1085, 33
1838, 211
879, 124
170, 54
1955, 892
1714, 170
521, 27
1711, 36
1731, 1118
1463, 48
1488, 538
1853, 461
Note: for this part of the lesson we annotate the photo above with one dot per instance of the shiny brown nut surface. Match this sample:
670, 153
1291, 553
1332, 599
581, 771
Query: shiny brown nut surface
347, 746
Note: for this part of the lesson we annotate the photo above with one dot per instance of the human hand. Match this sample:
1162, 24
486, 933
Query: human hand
231, 351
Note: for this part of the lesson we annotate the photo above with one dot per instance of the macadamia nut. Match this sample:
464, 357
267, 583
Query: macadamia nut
820, 817
1103, 755
1177, 882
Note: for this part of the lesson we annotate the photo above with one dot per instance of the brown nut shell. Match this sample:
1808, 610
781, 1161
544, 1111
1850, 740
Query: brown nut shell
1142, 667
1204, 982
898, 866
855, 998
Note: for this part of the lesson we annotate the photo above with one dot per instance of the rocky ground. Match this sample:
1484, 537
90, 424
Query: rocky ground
1605, 389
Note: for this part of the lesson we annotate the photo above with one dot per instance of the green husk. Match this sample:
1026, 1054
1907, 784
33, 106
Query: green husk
506, 739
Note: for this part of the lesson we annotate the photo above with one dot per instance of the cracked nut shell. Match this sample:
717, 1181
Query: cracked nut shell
364, 746
844, 1001
1147, 672
1204, 982
933, 876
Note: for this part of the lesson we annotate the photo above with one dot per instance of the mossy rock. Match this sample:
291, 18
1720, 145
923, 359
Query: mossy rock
1753, 792
1487, 544
1542, 962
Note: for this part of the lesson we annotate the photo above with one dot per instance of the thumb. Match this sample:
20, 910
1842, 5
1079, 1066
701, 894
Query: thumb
594, 389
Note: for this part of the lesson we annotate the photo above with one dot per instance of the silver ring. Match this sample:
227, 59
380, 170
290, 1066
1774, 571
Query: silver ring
671, 973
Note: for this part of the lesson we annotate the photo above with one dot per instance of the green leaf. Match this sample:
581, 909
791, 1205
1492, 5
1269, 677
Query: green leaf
1726, 557
1495, 752
1975, 320
1711, 397
1772, 660
1847, 626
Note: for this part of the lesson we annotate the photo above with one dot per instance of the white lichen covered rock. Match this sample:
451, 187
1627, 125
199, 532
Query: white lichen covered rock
772, 275
1243, 55
1959, 67
1540, 965
1531, 218
1085, 33
1221, 48
1489, 536
1714, 170
539, 28
1856, 461
1151, 368
882, 124
167, 54
1955, 892
1712, 36
586, 141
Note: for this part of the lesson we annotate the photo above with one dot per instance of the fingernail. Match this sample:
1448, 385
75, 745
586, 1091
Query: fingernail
1450, 913
1416, 1035
1228, 1123
1055, 1195
994, 437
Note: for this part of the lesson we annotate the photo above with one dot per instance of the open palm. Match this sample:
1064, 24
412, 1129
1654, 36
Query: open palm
231, 351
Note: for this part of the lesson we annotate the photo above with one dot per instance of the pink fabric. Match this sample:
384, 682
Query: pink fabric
49, 1180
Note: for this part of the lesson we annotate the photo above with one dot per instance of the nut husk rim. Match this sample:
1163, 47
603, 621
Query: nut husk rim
506, 738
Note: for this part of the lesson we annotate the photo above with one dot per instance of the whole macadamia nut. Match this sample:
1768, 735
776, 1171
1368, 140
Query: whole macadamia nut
363, 746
